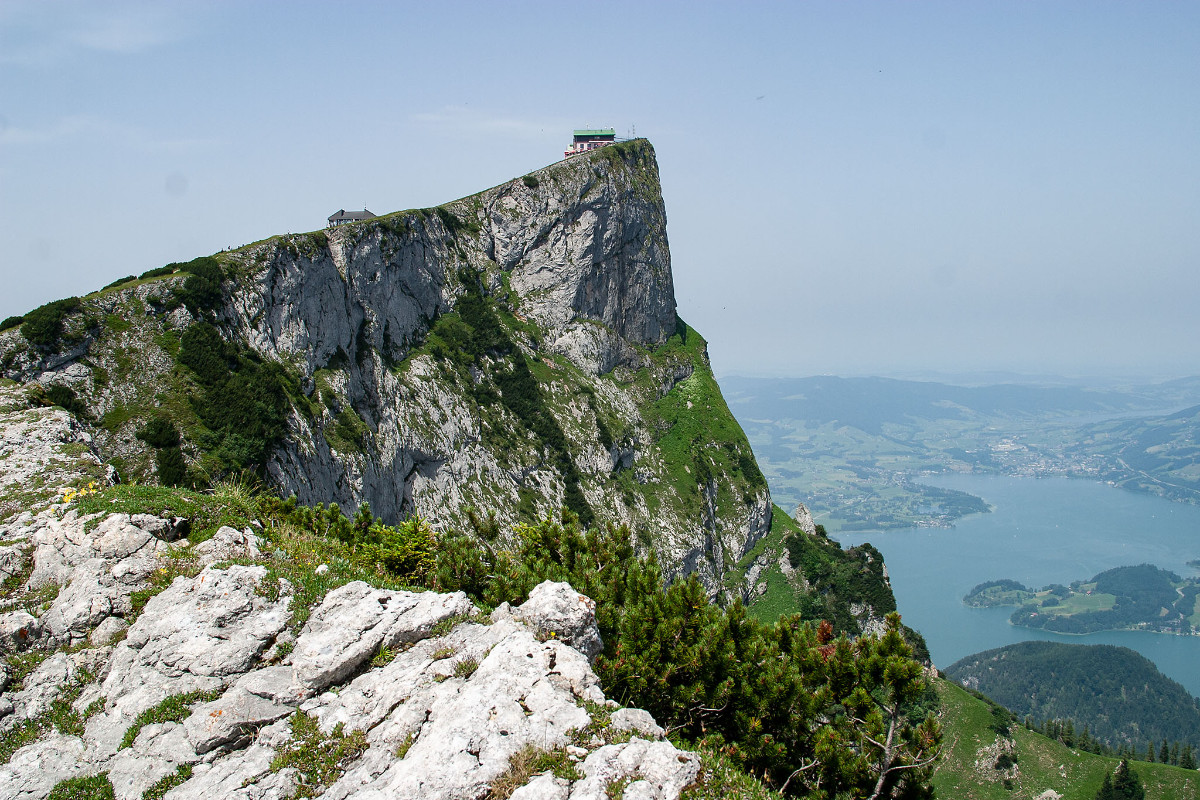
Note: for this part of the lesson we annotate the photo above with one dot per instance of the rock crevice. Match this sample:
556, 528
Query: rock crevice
443, 697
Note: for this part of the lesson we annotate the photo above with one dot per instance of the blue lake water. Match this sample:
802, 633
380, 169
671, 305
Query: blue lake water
1040, 531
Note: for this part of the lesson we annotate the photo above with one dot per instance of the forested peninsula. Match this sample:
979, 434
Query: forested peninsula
1142, 597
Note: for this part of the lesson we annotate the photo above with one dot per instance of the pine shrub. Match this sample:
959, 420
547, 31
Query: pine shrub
160, 431
778, 697
158, 272
243, 401
44, 325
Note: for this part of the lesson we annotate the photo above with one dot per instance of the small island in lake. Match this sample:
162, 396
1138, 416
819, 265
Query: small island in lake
1143, 598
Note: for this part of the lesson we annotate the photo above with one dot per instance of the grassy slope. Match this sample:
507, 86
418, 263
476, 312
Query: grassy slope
827, 584
780, 597
1041, 763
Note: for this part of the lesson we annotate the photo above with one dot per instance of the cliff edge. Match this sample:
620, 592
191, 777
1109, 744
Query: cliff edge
515, 351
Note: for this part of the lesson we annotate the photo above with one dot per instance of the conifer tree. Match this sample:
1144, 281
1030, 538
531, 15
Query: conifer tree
1150, 752
1164, 753
1187, 759
1126, 785
1175, 753
1106, 789
817, 716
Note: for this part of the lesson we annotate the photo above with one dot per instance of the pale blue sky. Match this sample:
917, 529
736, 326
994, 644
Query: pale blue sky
851, 187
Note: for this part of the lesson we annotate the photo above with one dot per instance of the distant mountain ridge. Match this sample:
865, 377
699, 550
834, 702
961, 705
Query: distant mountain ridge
854, 450
1160, 455
869, 403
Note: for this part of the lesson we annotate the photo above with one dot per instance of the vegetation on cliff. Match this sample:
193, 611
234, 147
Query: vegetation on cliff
590, 398
614, 415
807, 712
788, 701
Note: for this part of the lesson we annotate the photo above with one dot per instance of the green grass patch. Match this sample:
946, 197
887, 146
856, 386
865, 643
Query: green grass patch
92, 787
1042, 763
319, 759
166, 783
116, 323
530, 761
20, 665
175, 708
23, 733
169, 341
348, 433
699, 441
63, 717
60, 716
228, 504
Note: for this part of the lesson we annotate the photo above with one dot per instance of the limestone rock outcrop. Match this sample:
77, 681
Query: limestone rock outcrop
196, 689
573, 260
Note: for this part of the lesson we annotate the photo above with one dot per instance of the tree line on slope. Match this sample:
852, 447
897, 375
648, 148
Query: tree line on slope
808, 712
1116, 694
1175, 753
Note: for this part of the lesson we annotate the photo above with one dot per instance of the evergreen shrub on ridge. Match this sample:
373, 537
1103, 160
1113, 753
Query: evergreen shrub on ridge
814, 715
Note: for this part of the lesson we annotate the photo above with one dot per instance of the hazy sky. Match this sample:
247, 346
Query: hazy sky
851, 187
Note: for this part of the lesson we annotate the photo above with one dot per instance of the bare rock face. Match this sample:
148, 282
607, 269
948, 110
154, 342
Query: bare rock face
18, 630
228, 543
42, 452
804, 519
573, 266
557, 610
583, 250
443, 699
587, 246
357, 621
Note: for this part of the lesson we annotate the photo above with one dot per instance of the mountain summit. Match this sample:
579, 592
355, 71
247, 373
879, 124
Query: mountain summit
514, 351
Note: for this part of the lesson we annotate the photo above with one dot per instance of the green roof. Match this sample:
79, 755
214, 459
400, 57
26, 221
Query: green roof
597, 132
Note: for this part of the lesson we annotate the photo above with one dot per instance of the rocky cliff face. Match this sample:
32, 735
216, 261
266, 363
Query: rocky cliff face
407, 347
209, 694
136, 663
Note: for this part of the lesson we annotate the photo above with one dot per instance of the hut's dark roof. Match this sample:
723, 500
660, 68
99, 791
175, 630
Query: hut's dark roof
343, 215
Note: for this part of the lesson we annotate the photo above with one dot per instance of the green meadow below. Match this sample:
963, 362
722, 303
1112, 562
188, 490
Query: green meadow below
990, 756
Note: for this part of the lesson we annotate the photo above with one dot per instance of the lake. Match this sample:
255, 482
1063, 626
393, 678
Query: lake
1040, 531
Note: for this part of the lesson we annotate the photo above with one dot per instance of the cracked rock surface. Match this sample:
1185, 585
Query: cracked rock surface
438, 697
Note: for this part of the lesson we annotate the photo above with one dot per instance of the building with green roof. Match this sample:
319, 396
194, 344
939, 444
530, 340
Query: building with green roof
590, 139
